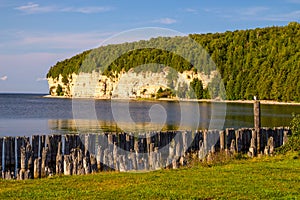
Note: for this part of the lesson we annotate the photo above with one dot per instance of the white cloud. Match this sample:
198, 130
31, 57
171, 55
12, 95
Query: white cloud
253, 11
41, 79
89, 10
238, 12
291, 16
31, 8
3, 78
34, 8
50, 42
256, 14
165, 21
190, 10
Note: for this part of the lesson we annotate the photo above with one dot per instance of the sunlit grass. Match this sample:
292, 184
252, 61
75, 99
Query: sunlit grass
259, 178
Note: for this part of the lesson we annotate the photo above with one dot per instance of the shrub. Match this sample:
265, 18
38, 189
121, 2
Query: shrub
293, 143
59, 90
295, 124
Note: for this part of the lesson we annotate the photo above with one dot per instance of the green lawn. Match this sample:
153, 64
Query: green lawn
260, 178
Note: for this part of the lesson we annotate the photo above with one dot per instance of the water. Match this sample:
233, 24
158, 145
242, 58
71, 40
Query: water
27, 114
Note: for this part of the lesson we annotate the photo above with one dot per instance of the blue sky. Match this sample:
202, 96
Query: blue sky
34, 35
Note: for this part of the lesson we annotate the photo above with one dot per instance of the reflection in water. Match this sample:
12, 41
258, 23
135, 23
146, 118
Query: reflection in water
69, 126
237, 116
33, 114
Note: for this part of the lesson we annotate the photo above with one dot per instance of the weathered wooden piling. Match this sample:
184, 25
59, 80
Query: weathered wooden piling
23, 163
285, 137
232, 147
2, 155
42, 156
256, 110
222, 140
37, 168
230, 135
59, 160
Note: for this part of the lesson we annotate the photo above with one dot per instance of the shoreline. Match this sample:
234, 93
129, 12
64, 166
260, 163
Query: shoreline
265, 102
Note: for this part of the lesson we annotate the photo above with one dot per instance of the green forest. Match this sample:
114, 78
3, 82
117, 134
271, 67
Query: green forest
262, 62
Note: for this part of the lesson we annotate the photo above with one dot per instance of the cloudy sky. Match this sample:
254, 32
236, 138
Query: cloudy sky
34, 35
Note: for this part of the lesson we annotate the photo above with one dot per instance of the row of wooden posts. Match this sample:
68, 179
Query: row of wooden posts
44, 155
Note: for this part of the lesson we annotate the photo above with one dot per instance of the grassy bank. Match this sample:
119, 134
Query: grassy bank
259, 178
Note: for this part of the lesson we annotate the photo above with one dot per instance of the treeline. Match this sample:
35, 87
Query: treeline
139, 57
68, 66
263, 62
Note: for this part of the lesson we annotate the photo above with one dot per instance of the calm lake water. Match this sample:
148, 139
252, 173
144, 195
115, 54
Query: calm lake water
27, 114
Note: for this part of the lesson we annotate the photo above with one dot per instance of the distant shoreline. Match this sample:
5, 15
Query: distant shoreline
266, 102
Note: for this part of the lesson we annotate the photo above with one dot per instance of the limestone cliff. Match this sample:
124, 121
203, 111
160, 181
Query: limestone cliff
131, 84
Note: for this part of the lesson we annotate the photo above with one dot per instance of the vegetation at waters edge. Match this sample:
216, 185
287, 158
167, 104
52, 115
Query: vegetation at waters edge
59, 91
295, 124
293, 143
262, 62
199, 91
259, 178
164, 93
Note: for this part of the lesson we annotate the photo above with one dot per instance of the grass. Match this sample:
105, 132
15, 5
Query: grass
275, 177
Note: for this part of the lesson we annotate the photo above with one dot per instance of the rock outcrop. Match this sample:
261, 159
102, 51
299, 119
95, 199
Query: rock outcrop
131, 84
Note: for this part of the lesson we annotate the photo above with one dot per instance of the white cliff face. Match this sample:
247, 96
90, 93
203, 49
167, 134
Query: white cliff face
55, 83
123, 85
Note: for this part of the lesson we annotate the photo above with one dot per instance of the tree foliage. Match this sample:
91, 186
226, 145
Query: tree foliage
293, 143
295, 124
59, 90
198, 91
67, 67
262, 62
164, 93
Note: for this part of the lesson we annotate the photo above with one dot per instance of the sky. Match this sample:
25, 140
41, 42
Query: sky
35, 35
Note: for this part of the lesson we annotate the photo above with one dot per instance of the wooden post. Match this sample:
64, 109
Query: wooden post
134, 160
257, 115
99, 158
232, 147
93, 163
285, 137
23, 163
201, 152
271, 145
177, 150
174, 163
254, 141
68, 167
37, 168
205, 149
230, 135
258, 141
1, 155
158, 158
257, 124
59, 160
222, 140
